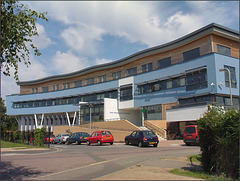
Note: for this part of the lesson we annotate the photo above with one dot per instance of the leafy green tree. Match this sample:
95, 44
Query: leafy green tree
7, 123
18, 27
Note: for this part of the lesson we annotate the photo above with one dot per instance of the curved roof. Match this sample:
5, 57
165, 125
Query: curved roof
211, 28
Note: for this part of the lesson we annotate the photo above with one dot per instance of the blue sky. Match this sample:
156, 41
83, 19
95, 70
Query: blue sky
82, 34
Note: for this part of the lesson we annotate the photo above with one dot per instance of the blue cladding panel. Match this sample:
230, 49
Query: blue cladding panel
57, 94
212, 61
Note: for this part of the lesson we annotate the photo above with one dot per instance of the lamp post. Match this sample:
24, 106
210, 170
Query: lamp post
230, 83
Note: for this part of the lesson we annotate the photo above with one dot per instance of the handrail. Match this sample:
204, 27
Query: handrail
156, 128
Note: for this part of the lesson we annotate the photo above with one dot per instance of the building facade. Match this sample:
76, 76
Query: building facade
169, 85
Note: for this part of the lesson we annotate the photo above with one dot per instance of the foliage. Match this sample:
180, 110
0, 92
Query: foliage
219, 141
21, 137
38, 136
18, 26
7, 123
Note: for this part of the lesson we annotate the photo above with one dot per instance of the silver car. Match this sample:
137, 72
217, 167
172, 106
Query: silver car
61, 138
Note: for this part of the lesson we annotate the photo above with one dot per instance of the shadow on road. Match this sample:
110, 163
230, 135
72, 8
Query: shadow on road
11, 172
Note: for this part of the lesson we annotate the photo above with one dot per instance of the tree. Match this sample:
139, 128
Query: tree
7, 123
18, 26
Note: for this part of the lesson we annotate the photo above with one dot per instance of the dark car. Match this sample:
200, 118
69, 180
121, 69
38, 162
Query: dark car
142, 138
78, 138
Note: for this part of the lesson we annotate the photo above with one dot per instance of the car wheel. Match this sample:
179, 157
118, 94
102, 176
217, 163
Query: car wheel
53, 142
140, 144
126, 142
188, 144
88, 143
77, 142
155, 145
99, 142
111, 143
68, 143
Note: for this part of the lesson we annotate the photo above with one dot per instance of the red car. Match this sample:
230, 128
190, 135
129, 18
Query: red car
100, 137
46, 139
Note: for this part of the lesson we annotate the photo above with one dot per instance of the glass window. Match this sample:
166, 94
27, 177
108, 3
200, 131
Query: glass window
90, 81
196, 80
164, 62
119, 75
104, 77
126, 93
78, 83
144, 68
132, 71
191, 54
45, 89
169, 84
114, 75
224, 50
100, 79
233, 77
150, 66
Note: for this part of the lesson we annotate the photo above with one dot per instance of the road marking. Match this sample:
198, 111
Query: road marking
97, 163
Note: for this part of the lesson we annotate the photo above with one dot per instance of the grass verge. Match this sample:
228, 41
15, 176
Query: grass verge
5, 144
196, 173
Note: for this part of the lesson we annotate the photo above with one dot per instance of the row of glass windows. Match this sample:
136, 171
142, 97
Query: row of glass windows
192, 81
224, 101
67, 100
188, 55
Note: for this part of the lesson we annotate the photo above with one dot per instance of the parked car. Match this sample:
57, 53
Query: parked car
100, 137
190, 135
78, 138
46, 139
142, 138
61, 138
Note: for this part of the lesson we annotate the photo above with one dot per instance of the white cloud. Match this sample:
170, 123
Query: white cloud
42, 41
83, 39
67, 62
102, 61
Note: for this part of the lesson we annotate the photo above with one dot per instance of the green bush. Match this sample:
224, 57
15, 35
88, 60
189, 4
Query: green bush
219, 141
38, 136
21, 137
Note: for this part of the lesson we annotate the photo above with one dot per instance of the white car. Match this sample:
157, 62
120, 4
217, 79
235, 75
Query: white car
61, 138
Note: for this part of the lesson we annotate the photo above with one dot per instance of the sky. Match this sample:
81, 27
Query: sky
81, 34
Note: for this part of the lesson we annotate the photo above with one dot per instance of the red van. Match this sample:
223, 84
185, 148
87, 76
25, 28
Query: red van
191, 135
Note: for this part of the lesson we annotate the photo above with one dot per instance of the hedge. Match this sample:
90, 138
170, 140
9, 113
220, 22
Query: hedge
219, 141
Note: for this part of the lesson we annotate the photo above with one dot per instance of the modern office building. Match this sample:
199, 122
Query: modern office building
169, 85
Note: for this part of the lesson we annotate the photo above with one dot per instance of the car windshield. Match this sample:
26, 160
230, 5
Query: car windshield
84, 134
148, 134
65, 134
190, 130
106, 133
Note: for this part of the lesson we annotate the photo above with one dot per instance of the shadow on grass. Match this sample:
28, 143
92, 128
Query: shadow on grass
11, 172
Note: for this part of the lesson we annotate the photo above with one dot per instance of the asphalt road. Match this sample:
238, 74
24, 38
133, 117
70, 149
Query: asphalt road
82, 162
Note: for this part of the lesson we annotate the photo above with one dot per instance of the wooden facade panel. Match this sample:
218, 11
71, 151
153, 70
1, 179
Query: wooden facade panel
217, 40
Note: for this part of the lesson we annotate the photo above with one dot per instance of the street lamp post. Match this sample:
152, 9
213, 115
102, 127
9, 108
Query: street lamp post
230, 83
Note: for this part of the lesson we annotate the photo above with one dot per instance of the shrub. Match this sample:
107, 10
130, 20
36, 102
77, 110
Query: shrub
38, 136
21, 137
219, 141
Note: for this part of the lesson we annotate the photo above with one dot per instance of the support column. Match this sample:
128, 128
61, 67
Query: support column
68, 119
36, 124
74, 118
